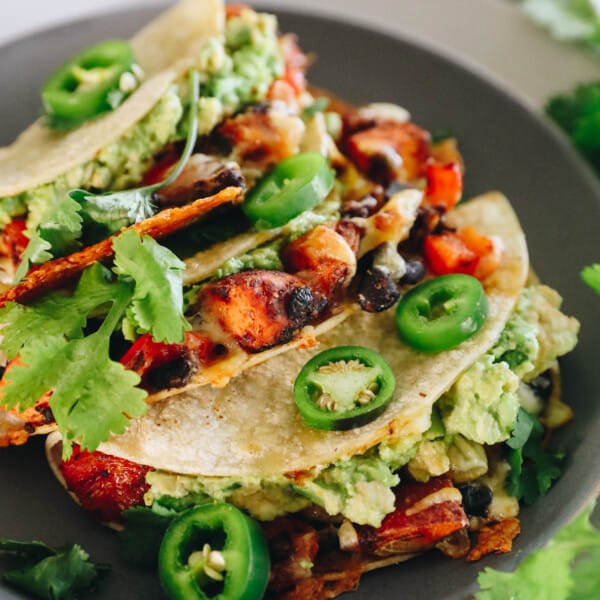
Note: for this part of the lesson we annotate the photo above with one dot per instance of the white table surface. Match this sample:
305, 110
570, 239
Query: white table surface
490, 35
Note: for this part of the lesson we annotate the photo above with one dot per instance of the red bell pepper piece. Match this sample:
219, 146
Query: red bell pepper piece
444, 184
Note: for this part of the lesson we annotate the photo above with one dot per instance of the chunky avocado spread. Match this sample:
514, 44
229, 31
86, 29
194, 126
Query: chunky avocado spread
480, 408
119, 165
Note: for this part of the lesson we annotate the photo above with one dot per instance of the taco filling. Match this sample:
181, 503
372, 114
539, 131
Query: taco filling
250, 302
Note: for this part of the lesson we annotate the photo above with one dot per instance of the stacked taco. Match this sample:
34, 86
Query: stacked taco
257, 317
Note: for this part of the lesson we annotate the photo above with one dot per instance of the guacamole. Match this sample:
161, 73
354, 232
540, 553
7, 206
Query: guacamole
119, 165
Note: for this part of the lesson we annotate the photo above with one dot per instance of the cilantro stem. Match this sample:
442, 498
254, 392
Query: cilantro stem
192, 136
121, 301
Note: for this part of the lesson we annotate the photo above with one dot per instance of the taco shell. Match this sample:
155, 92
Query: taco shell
251, 426
164, 49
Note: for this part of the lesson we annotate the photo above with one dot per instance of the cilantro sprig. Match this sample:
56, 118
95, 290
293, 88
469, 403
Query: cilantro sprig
565, 569
64, 224
51, 573
92, 395
591, 276
532, 468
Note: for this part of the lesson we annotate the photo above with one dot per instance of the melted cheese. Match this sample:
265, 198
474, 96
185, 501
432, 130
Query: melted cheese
449, 494
392, 223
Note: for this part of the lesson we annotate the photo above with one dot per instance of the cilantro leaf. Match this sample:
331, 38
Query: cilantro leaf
157, 305
549, 572
112, 211
567, 20
52, 574
37, 251
578, 114
26, 550
587, 577
88, 404
591, 276
55, 314
524, 425
143, 532
532, 468
56, 234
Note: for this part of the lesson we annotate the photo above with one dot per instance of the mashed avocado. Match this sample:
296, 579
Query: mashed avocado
264, 257
482, 404
119, 165
536, 334
360, 487
267, 256
239, 68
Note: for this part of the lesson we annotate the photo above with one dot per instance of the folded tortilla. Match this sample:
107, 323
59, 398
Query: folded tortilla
164, 49
251, 426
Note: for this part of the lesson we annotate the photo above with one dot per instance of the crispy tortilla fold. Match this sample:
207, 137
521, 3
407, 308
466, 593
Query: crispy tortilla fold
164, 49
251, 426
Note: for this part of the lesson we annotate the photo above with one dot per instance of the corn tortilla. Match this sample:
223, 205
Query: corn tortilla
251, 426
164, 49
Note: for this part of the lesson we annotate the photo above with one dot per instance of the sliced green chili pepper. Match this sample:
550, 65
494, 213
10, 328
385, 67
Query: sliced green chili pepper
214, 550
79, 90
442, 312
343, 387
296, 184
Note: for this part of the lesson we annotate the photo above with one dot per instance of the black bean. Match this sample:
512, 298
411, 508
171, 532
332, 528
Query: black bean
174, 374
476, 498
300, 305
415, 271
364, 207
377, 291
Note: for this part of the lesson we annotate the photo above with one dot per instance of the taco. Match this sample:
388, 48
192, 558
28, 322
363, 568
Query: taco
343, 357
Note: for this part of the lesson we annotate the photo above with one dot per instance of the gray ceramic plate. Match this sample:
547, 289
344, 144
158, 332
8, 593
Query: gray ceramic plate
506, 147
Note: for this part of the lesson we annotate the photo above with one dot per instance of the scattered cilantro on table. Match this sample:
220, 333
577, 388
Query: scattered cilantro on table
51, 573
591, 276
567, 20
566, 568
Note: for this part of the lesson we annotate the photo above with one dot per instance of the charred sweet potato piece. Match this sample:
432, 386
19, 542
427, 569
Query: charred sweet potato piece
258, 308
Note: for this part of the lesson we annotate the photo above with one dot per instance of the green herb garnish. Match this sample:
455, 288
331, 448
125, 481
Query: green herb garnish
566, 568
532, 468
591, 276
92, 395
51, 573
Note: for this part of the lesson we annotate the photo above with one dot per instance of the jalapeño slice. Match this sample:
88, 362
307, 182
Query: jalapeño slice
343, 387
214, 551
442, 312
295, 185
79, 90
